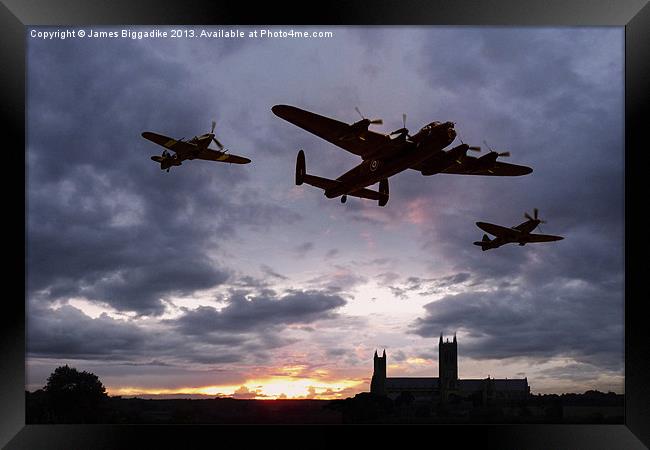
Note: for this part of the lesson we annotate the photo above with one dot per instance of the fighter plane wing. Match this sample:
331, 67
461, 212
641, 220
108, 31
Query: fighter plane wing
499, 169
543, 238
214, 155
332, 130
180, 147
498, 230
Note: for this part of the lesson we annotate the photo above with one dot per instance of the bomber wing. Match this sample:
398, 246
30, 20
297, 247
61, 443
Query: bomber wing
498, 169
214, 155
498, 230
543, 238
332, 130
180, 147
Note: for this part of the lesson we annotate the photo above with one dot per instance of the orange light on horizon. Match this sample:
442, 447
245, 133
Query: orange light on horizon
278, 387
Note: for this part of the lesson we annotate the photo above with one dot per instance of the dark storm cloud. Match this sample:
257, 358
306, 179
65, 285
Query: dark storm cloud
103, 221
248, 313
244, 328
68, 333
562, 319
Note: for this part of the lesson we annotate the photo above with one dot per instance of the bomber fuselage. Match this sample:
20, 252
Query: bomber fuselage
428, 141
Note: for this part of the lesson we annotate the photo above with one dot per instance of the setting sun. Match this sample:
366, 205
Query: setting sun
282, 387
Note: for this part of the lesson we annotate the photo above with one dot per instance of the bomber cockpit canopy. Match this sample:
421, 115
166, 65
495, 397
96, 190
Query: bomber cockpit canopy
430, 126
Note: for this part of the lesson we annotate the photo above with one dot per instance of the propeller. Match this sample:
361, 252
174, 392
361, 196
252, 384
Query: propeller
370, 122
504, 154
219, 144
402, 131
474, 148
535, 216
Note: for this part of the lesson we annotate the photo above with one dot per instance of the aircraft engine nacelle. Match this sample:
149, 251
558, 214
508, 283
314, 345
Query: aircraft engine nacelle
488, 158
432, 167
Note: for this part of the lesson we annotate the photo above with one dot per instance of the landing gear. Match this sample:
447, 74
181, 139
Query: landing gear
344, 198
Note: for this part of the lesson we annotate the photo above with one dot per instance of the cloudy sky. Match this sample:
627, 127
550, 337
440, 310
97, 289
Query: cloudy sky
219, 279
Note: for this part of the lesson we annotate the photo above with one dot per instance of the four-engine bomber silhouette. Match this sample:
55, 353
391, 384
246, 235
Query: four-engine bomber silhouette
195, 148
520, 234
384, 156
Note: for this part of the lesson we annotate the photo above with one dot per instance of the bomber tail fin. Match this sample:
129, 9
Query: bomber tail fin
300, 168
326, 184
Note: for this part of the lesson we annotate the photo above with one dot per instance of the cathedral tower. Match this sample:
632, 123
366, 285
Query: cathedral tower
448, 366
378, 382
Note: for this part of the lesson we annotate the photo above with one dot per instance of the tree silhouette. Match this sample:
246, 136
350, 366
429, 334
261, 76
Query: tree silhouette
75, 397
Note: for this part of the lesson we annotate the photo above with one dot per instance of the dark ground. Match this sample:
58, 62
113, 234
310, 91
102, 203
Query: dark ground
590, 407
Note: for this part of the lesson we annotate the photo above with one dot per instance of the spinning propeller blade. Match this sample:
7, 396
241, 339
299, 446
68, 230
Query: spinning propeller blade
474, 148
503, 154
535, 216
372, 122
219, 144
402, 130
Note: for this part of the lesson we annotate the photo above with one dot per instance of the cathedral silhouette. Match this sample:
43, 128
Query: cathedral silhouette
447, 386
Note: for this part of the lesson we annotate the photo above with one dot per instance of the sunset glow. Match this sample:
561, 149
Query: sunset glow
260, 389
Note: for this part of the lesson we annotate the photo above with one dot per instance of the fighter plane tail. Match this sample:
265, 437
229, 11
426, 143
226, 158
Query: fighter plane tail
484, 243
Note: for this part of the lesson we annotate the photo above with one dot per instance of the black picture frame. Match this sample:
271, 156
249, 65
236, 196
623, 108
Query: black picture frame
634, 15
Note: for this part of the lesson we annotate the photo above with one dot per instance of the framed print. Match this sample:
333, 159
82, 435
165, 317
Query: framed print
423, 216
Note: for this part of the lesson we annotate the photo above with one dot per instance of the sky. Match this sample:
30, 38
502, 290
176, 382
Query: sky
230, 280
